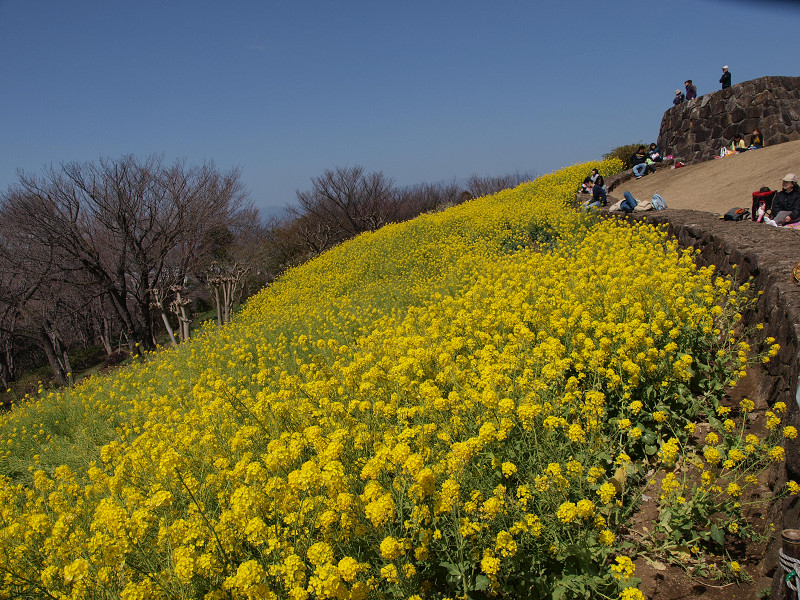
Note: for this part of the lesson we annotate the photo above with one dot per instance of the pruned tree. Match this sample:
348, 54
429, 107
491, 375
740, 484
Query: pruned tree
226, 282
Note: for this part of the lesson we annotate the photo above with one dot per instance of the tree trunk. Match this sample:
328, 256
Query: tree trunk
169, 328
219, 305
105, 336
46, 343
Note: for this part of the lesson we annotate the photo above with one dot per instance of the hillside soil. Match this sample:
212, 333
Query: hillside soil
720, 184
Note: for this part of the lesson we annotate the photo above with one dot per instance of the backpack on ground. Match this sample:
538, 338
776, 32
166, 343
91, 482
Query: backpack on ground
736, 214
658, 202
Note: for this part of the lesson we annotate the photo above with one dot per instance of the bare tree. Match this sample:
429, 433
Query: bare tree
425, 197
486, 186
126, 225
345, 202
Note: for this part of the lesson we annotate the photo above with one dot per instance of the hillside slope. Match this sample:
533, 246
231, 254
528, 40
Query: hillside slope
718, 185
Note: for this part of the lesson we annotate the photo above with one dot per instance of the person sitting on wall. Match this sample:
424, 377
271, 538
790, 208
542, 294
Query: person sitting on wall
691, 90
762, 203
639, 160
786, 204
756, 140
679, 97
654, 153
599, 197
601, 182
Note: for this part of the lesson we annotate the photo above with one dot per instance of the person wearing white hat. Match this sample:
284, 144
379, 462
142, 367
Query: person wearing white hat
725, 80
786, 205
679, 97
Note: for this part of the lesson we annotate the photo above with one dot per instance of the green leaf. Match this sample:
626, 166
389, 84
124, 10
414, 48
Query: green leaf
451, 568
481, 582
718, 535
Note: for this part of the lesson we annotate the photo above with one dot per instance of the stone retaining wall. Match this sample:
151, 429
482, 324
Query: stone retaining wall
767, 254
694, 131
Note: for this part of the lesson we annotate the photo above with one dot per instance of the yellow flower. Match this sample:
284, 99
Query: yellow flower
606, 537
585, 508
607, 492
567, 512
391, 548
777, 454
490, 565
509, 469
624, 568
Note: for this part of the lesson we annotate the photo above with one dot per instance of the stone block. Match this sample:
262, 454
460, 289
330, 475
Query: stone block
750, 124
695, 130
738, 114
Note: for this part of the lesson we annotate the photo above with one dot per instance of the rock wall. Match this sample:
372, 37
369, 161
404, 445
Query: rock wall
694, 131
766, 254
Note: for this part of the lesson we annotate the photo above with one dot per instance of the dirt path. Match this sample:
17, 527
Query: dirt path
718, 185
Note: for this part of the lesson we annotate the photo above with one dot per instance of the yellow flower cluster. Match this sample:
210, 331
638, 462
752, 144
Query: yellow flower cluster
438, 393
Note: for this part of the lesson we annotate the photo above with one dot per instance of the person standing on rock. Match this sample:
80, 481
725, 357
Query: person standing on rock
725, 80
691, 90
679, 97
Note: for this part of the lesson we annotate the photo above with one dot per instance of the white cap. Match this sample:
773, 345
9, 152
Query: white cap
725, 67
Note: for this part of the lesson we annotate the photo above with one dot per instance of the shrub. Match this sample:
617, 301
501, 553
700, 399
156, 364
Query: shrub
623, 153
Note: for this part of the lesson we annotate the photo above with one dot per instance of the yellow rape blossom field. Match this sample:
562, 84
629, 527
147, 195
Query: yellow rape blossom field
467, 405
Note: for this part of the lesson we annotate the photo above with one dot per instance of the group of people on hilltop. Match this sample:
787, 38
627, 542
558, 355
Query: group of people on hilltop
691, 89
644, 160
740, 145
778, 208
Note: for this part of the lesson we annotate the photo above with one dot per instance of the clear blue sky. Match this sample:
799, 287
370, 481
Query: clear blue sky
421, 90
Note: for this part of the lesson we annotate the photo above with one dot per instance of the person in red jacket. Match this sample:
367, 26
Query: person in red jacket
762, 203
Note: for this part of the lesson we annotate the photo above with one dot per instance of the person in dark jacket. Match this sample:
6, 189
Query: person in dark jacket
757, 141
639, 160
786, 204
691, 90
725, 80
679, 97
599, 197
